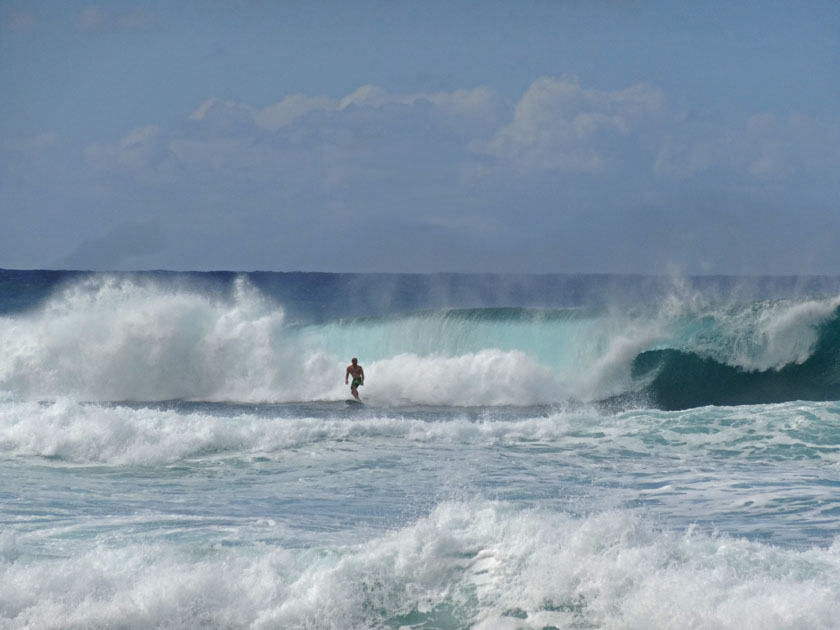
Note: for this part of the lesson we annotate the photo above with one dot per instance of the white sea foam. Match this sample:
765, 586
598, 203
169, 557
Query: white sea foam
488, 377
111, 338
79, 433
467, 564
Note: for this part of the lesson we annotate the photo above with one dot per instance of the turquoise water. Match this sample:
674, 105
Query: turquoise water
182, 457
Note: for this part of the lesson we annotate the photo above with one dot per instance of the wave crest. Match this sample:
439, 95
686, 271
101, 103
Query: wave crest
467, 564
116, 337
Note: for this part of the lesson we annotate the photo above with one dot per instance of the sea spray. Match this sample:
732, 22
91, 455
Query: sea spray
113, 338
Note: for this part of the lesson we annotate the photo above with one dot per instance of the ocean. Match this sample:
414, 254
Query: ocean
534, 452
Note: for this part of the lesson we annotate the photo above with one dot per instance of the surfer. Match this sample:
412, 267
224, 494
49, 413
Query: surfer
355, 370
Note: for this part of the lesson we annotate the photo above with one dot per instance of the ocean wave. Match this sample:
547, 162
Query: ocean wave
678, 379
468, 564
116, 338
119, 338
67, 432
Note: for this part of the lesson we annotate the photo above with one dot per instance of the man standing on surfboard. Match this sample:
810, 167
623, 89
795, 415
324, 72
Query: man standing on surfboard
355, 370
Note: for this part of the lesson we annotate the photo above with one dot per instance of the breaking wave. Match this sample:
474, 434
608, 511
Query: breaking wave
473, 564
120, 338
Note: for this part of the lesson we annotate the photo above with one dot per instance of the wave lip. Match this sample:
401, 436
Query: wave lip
680, 379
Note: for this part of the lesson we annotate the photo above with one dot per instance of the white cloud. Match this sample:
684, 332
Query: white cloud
477, 106
374, 143
290, 109
560, 126
370, 134
226, 117
380, 167
140, 148
372, 96
474, 107
765, 148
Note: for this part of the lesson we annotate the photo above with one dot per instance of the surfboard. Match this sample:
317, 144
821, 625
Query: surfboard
350, 401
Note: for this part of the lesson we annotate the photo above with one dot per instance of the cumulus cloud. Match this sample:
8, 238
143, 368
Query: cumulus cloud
374, 142
458, 138
290, 109
534, 184
317, 141
479, 105
765, 148
221, 113
372, 133
142, 147
566, 177
480, 102
558, 125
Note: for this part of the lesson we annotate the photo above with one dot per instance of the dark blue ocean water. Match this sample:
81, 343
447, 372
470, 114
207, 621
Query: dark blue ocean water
534, 452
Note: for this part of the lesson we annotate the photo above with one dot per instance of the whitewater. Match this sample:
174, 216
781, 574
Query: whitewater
538, 452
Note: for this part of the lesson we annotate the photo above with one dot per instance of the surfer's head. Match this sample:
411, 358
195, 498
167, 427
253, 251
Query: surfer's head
354, 360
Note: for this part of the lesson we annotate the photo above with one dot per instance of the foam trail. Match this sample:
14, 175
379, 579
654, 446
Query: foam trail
466, 565
72, 432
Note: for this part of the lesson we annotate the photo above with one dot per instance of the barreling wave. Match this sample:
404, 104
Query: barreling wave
113, 338
679, 379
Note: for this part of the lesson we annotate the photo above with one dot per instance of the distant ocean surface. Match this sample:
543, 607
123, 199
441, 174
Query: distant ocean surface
586, 452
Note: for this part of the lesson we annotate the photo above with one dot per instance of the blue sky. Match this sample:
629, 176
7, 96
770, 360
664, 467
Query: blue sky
542, 136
